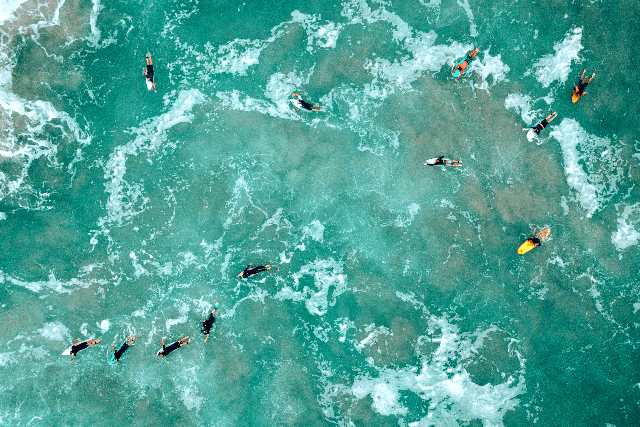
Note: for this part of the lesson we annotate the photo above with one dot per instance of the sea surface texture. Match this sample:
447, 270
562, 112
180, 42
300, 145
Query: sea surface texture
396, 296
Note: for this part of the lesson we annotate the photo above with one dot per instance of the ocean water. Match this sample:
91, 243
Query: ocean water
399, 298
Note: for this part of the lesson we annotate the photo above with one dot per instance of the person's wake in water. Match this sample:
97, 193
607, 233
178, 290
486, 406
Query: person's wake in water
582, 85
301, 103
537, 128
208, 323
176, 345
459, 69
118, 352
442, 161
76, 348
250, 271
149, 73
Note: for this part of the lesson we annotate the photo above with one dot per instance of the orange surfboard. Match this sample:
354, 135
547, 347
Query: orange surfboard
528, 245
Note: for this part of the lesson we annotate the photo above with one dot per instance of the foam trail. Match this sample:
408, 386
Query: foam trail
473, 30
551, 68
522, 105
93, 19
627, 235
7, 8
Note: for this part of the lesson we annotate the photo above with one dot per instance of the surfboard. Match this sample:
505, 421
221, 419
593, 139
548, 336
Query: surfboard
575, 97
149, 85
113, 360
528, 245
432, 161
67, 352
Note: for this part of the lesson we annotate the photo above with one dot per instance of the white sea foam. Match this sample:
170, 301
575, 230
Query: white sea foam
551, 68
324, 36
191, 397
3, 216
7, 9
7, 359
402, 221
627, 235
104, 325
315, 230
327, 274
55, 331
489, 66
53, 283
522, 105
596, 181
473, 30
183, 309
93, 19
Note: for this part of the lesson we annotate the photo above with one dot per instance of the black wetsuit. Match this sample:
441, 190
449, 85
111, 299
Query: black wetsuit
306, 105
150, 72
76, 348
168, 349
254, 270
535, 241
543, 124
207, 324
118, 354
582, 85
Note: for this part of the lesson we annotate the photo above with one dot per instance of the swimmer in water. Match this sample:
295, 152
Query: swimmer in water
543, 124
442, 161
208, 323
459, 69
250, 271
176, 345
301, 103
118, 352
84, 344
582, 85
149, 73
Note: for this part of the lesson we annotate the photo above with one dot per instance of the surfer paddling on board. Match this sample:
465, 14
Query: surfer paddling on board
582, 85
250, 271
149, 73
208, 323
302, 103
84, 344
543, 124
442, 161
118, 352
176, 345
457, 71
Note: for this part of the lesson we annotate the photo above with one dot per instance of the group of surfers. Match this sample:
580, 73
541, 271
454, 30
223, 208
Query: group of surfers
166, 349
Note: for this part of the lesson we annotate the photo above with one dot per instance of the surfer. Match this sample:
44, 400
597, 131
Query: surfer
301, 103
149, 73
117, 353
250, 271
208, 323
543, 124
442, 161
84, 344
176, 345
457, 71
582, 85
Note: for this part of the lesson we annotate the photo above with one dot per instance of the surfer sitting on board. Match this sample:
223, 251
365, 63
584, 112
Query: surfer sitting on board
84, 344
208, 323
166, 350
543, 124
149, 73
582, 85
301, 103
117, 353
442, 161
250, 271
457, 71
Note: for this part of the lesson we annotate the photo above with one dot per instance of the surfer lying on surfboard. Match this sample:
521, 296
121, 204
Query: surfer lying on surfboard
457, 71
250, 271
149, 73
166, 350
84, 344
118, 352
582, 85
208, 323
301, 103
537, 128
442, 161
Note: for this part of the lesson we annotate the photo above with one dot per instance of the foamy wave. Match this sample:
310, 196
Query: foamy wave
522, 105
627, 235
595, 182
551, 68
55, 331
52, 284
473, 30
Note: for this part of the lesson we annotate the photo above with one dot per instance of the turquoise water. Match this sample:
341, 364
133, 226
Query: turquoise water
400, 298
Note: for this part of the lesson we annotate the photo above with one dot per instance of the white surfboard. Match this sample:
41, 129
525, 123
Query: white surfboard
531, 135
432, 161
67, 352
149, 85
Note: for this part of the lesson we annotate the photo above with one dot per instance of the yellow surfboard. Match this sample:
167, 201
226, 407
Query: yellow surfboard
528, 245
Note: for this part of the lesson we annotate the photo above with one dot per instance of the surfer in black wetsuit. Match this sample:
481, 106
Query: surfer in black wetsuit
84, 344
535, 240
250, 271
442, 161
301, 103
176, 345
149, 73
582, 85
537, 128
208, 323
117, 353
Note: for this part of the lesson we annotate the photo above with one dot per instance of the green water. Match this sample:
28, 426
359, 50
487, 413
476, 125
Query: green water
399, 298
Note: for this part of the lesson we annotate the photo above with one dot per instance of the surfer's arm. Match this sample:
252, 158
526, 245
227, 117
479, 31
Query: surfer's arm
76, 341
114, 346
